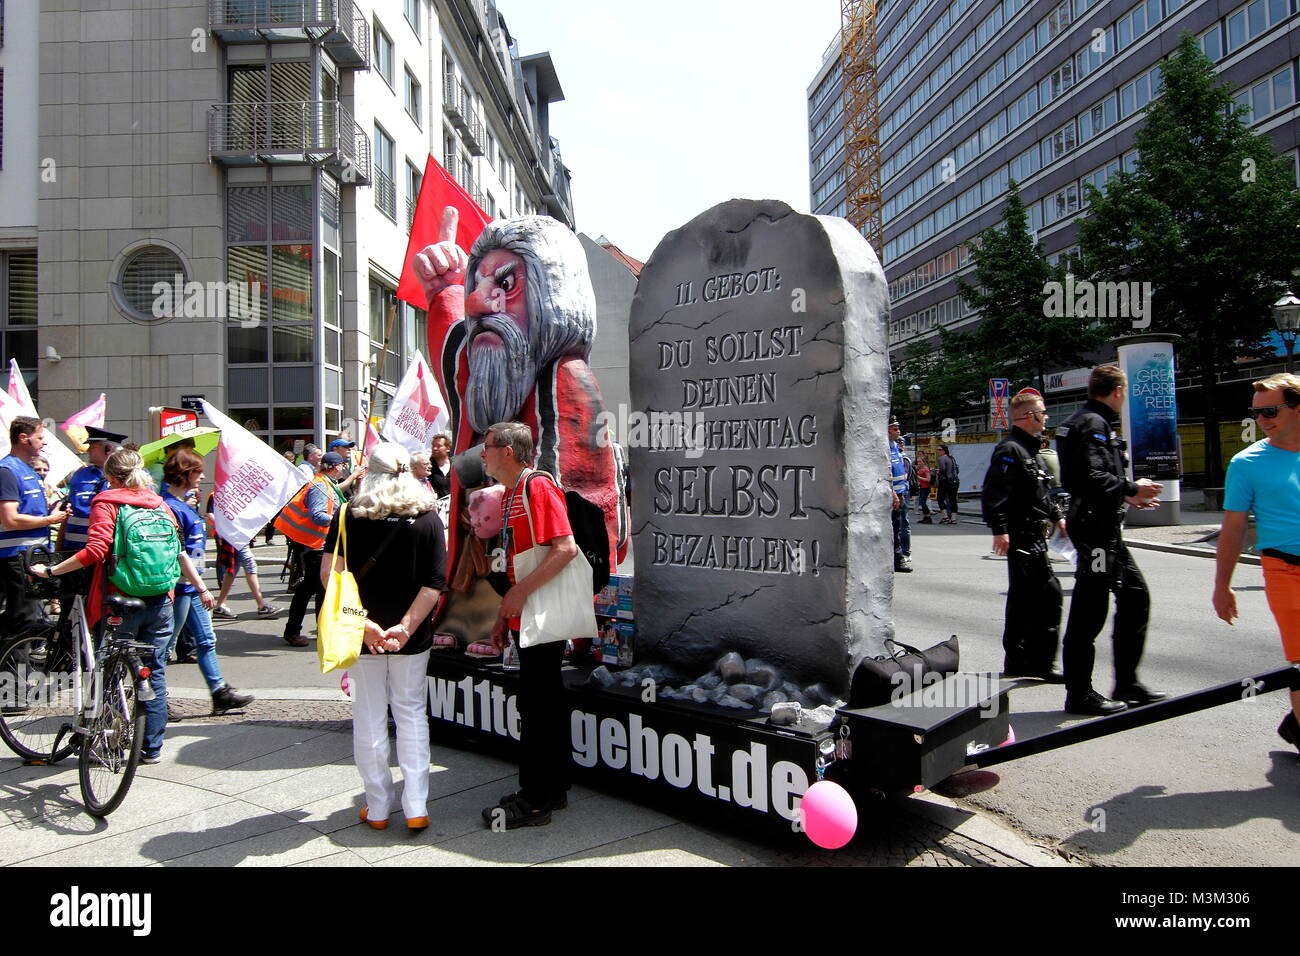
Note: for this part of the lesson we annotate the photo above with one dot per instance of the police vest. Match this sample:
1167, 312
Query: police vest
84, 484
31, 501
295, 521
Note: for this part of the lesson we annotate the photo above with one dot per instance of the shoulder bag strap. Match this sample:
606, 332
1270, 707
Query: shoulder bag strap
370, 563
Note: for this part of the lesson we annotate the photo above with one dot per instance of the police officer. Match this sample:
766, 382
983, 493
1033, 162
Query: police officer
1021, 513
25, 522
1093, 470
86, 482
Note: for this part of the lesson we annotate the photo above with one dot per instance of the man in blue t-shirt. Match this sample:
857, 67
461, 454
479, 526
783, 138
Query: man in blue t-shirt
898, 482
25, 521
1265, 479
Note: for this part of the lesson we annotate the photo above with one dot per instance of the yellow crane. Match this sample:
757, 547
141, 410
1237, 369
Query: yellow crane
861, 119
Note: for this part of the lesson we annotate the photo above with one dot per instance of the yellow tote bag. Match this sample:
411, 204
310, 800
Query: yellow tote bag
342, 621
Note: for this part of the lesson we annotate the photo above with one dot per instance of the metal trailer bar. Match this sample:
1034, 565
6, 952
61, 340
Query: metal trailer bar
1286, 677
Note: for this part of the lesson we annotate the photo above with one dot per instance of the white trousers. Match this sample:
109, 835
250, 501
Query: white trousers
380, 682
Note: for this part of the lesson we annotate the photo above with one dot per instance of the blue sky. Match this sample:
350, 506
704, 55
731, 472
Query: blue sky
674, 106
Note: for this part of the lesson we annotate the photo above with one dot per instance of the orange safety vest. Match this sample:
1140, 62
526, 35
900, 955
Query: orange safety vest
295, 521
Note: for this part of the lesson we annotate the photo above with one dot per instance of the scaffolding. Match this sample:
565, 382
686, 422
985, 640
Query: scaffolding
861, 119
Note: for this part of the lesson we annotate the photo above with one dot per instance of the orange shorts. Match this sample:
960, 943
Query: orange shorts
1282, 585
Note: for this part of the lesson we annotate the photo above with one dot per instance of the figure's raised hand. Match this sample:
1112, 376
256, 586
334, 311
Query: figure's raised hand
442, 264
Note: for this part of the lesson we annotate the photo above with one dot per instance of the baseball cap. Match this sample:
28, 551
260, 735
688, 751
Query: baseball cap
332, 459
342, 443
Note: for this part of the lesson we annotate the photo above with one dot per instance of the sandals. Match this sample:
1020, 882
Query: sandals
444, 642
481, 649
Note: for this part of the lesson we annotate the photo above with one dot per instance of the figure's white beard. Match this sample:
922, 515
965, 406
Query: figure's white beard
500, 379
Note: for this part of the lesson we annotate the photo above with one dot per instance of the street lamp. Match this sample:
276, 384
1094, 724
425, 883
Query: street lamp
1286, 315
914, 395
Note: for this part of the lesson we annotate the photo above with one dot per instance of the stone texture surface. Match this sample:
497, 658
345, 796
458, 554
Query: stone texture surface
760, 497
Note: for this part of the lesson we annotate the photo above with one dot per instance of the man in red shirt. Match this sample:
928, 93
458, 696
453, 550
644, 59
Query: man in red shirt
545, 764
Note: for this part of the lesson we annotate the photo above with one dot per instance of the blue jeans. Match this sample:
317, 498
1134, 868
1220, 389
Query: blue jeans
152, 624
902, 528
190, 610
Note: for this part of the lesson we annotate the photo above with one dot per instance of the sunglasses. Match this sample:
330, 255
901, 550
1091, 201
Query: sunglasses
1266, 411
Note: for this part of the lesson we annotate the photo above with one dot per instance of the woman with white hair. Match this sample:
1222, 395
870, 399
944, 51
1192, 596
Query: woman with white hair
395, 548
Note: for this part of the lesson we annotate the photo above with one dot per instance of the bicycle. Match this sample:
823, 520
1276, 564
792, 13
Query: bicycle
58, 706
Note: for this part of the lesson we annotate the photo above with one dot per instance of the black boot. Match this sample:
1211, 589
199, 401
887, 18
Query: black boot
226, 698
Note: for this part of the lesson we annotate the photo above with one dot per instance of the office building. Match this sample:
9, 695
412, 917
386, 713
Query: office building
215, 197
974, 93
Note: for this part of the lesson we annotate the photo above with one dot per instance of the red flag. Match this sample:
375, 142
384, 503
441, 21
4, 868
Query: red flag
437, 191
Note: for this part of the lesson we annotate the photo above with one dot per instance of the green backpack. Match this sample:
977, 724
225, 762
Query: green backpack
147, 550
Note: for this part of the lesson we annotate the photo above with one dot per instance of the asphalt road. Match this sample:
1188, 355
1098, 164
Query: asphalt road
1215, 788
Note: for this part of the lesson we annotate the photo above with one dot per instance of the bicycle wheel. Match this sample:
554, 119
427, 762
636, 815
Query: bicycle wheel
110, 749
38, 696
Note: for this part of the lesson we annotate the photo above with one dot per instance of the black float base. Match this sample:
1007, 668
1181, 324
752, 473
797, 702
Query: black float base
698, 760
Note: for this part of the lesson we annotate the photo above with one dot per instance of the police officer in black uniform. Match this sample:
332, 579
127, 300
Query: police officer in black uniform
1021, 512
1093, 470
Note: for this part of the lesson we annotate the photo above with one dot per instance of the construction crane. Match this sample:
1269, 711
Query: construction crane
861, 119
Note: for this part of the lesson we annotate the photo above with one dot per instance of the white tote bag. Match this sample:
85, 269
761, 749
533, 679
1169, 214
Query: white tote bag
563, 608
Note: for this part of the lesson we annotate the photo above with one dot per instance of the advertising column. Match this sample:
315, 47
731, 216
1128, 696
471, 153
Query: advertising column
1150, 420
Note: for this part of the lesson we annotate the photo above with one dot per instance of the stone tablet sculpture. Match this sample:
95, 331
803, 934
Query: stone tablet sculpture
760, 497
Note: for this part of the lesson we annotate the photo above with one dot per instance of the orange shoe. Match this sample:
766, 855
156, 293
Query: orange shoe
373, 824
417, 823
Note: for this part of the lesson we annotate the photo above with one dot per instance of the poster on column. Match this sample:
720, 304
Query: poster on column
1153, 412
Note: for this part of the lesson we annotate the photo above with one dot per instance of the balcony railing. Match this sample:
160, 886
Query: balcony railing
410, 214
451, 98
385, 195
336, 24
285, 132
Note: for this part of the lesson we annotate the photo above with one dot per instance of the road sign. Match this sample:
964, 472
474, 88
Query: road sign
999, 403
193, 402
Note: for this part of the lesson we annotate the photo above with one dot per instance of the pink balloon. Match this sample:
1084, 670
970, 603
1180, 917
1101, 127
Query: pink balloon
1011, 736
345, 685
829, 817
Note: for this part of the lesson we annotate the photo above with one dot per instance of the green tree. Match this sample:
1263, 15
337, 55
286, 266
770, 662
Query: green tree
1017, 338
1209, 218
949, 371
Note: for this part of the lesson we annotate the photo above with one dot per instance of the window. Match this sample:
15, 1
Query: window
411, 9
18, 313
413, 98
133, 286
414, 178
385, 345
1253, 19
384, 54
385, 189
1212, 43
1099, 118
1267, 96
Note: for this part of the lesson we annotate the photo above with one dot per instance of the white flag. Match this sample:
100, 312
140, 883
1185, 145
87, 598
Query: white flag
417, 412
253, 481
19, 402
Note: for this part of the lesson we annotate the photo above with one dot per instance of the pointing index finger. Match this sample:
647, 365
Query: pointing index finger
450, 219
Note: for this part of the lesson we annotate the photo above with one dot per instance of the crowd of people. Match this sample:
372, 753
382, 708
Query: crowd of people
383, 511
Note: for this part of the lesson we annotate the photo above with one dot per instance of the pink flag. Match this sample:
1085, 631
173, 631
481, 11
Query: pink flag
93, 414
19, 402
372, 437
253, 481
18, 389
417, 412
